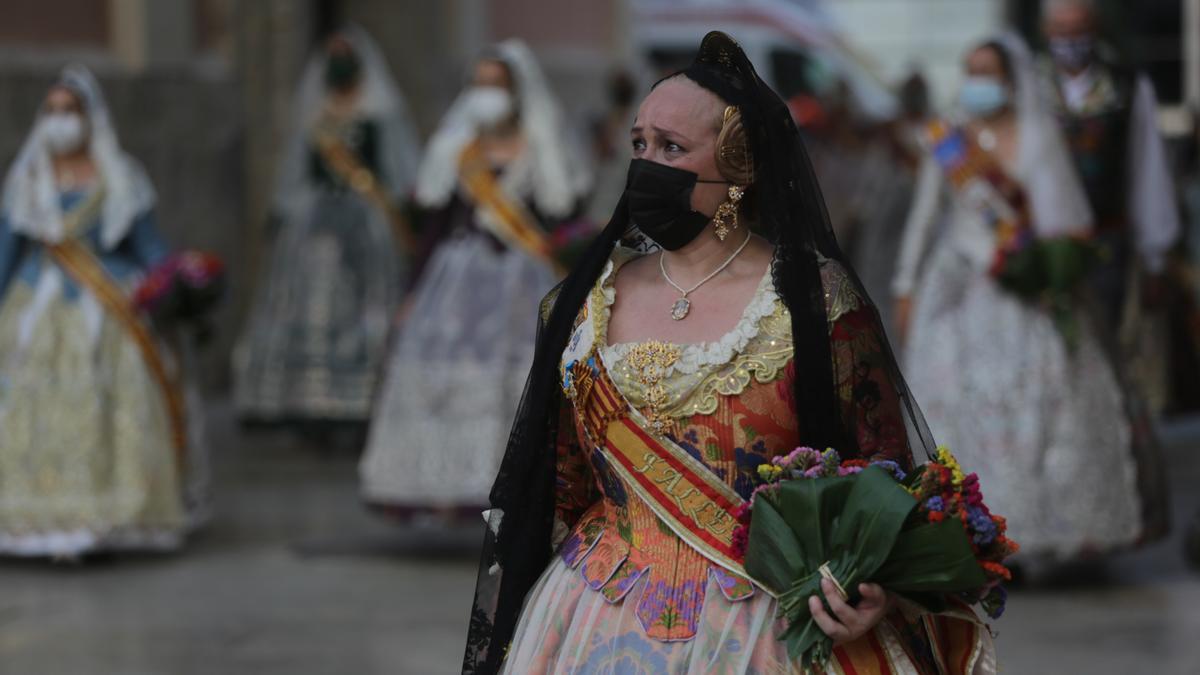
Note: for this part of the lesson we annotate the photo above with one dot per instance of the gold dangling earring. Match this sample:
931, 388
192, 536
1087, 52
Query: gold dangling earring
726, 217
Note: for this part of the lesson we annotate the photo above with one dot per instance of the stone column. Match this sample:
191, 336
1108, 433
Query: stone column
151, 32
271, 42
1191, 54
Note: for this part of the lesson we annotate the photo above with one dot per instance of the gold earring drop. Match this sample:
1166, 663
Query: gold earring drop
726, 218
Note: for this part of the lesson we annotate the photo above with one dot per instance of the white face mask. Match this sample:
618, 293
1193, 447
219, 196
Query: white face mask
488, 105
62, 132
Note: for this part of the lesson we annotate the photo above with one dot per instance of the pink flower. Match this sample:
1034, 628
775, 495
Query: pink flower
741, 537
765, 487
742, 513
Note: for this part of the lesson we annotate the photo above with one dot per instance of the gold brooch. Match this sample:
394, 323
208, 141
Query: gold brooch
650, 360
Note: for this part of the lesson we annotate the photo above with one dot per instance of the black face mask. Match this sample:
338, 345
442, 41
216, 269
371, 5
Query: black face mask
660, 203
341, 71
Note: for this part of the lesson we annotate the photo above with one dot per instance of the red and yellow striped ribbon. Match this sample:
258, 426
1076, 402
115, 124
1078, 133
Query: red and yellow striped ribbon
688, 497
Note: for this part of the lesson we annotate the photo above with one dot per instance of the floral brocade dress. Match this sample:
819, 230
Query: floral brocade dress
88, 462
625, 594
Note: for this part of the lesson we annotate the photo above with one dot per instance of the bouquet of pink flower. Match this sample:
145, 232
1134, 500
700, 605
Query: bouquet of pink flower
924, 535
570, 239
183, 287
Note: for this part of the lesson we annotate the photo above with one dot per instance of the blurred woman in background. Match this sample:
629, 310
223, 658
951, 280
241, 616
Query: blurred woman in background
97, 449
498, 176
1020, 388
318, 327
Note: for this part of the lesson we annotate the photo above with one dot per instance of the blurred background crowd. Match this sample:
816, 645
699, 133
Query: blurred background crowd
372, 196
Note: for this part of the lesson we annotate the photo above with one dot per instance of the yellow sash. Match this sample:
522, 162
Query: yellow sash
345, 163
77, 261
511, 222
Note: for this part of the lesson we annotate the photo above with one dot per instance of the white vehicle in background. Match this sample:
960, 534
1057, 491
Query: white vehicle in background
795, 45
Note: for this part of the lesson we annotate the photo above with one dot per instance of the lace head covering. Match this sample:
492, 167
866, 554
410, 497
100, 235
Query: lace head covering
557, 177
1057, 201
379, 100
31, 198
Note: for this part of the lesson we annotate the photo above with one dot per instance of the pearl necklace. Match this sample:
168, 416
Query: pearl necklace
682, 306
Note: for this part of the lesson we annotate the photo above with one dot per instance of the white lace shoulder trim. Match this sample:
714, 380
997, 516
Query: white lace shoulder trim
694, 356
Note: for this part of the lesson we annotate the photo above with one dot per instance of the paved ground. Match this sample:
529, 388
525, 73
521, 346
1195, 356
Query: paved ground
294, 576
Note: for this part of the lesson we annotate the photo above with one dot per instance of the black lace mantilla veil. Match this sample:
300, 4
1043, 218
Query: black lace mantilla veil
791, 213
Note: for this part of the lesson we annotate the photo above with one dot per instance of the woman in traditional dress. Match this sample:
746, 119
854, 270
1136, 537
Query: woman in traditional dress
498, 176
97, 449
741, 335
318, 327
1033, 405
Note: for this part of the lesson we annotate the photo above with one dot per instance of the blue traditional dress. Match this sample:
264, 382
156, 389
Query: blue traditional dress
88, 453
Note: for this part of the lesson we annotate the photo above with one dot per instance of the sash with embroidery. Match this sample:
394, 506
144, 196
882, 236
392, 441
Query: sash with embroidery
74, 258
684, 493
976, 175
510, 221
345, 163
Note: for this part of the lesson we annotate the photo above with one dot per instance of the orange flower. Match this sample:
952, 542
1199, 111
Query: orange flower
1008, 545
996, 570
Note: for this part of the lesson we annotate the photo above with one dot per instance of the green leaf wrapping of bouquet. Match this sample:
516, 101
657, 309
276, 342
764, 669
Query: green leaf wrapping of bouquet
1067, 262
1024, 273
776, 558
929, 560
851, 523
1056, 265
1051, 270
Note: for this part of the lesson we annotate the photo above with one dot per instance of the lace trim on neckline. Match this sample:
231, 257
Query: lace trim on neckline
694, 356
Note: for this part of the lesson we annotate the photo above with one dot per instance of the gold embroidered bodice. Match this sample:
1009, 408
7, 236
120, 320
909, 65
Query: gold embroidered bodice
677, 381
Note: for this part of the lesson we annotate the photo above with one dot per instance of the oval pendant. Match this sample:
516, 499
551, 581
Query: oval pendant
681, 308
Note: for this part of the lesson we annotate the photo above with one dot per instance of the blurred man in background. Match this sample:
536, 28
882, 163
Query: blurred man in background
1108, 112
1109, 115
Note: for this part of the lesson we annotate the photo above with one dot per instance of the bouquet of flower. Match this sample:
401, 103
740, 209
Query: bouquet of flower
570, 239
925, 535
184, 287
1045, 269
